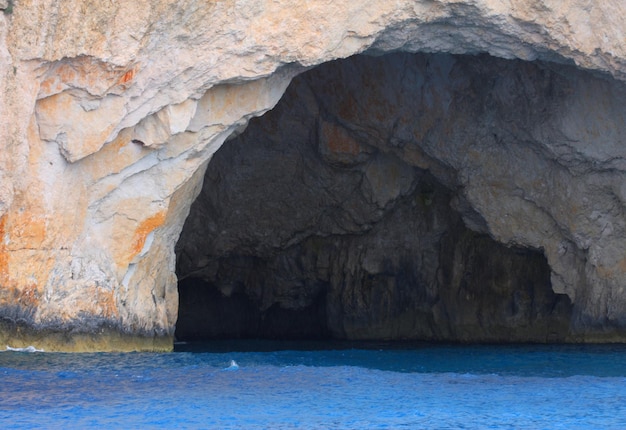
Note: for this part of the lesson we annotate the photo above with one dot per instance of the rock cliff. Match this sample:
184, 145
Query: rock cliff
111, 111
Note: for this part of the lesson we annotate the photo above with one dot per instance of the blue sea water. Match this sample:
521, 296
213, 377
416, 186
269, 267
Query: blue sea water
319, 386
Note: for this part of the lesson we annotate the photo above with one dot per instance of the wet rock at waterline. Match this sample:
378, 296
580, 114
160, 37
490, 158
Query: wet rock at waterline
109, 117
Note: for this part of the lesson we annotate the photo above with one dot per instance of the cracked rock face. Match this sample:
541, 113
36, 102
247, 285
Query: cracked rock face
110, 114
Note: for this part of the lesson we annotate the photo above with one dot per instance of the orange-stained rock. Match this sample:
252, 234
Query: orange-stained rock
146, 227
338, 146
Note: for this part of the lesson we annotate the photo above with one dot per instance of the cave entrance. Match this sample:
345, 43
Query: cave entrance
335, 215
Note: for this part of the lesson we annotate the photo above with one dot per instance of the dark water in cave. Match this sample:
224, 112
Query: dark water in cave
319, 385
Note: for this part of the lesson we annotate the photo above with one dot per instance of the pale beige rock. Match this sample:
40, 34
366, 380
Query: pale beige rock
88, 219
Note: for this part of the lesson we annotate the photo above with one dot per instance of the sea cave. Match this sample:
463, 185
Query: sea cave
368, 205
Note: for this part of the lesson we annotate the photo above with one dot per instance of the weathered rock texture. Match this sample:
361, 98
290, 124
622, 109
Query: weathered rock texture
110, 112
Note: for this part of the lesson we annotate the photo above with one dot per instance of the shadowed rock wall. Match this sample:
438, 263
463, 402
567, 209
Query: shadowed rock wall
321, 220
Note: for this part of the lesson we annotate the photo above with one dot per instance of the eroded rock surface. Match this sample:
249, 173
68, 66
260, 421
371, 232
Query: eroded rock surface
110, 112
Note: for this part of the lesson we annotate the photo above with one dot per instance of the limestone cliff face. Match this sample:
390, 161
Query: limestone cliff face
110, 112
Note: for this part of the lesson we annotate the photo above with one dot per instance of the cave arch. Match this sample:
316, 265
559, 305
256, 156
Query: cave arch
368, 227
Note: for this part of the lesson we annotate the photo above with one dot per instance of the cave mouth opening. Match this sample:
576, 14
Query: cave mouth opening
334, 216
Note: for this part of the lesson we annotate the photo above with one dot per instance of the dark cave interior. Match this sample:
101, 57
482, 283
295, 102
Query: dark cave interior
330, 217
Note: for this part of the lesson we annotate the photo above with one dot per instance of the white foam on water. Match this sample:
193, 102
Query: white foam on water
29, 348
233, 365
